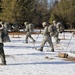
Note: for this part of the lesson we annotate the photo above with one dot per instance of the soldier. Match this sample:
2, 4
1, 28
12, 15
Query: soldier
29, 30
2, 55
57, 33
47, 37
52, 29
5, 36
59, 28
15, 27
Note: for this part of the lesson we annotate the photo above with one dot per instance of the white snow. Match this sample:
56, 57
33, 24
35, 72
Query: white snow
24, 59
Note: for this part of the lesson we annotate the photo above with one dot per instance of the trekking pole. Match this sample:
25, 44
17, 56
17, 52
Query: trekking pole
69, 42
65, 55
36, 39
47, 46
18, 33
63, 35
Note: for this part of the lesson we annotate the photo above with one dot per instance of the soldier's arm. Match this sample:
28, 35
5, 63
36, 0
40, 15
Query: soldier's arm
13, 27
1, 26
45, 31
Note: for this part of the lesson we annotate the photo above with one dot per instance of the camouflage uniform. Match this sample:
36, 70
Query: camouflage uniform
2, 55
52, 30
56, 36
5, 36
15, 27
60, 27
28, 32
47, 38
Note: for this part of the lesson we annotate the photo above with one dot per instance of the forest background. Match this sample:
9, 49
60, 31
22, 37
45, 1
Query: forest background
38, 11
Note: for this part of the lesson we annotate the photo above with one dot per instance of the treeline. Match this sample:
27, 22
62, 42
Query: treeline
64, 11
37, 11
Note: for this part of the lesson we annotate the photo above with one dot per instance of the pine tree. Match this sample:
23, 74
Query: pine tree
64, 11
17, 10
0, 9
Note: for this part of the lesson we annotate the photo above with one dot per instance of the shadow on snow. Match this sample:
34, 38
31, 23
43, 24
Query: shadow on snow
43, 63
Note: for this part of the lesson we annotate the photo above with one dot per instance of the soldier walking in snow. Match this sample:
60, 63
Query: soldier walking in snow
29, 29
47, 37
5, 36
59, 28
15, 27
2, 55
57, 33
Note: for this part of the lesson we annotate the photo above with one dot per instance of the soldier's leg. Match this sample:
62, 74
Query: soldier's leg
58, 37
3, 59
32, 38
2, 54
26, 39
43, 43
51, 44
57, 40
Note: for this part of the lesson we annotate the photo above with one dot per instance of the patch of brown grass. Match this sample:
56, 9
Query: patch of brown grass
70, 58
20, 33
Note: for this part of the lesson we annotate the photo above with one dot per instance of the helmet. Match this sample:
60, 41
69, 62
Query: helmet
58, 23
1, 22
25, 23
30, 24
54, 21
44, 24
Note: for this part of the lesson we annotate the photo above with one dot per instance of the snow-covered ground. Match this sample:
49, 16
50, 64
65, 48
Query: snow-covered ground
24, 59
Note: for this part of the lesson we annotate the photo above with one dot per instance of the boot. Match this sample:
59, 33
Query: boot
26, 41
52, 50
4, 63
59, 39
41, 49
33, 41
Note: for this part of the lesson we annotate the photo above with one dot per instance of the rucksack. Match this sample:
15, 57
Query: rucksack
31, 27
52, 30
60, 27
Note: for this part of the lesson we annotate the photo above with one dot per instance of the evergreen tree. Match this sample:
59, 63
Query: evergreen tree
17, 10
42, 11
35, 11
8, 10
0, 9
64, 11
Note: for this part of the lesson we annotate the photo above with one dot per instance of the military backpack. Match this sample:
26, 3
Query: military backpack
52, 30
